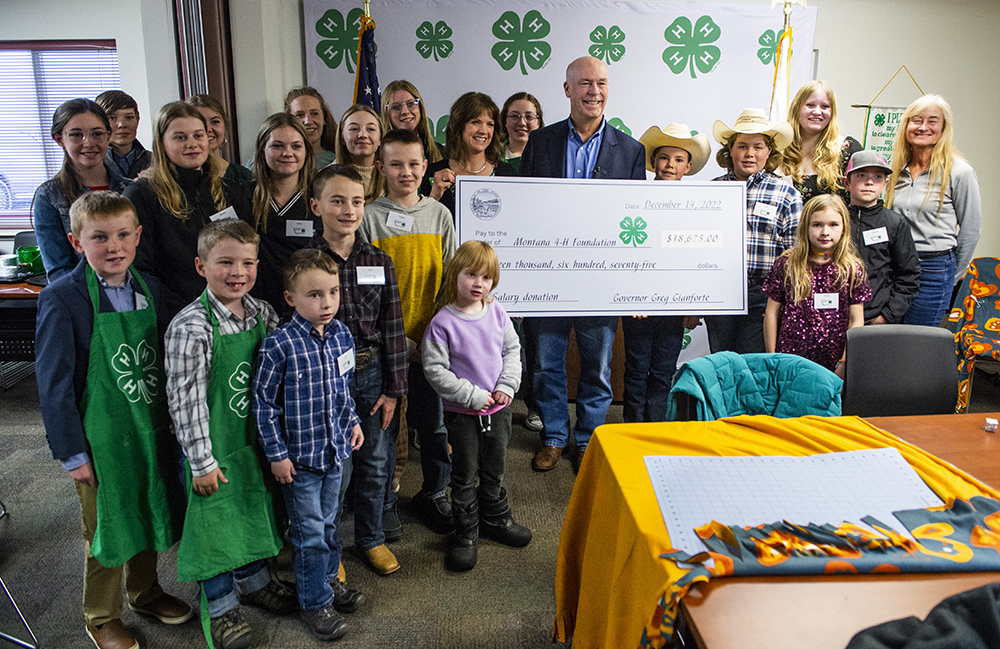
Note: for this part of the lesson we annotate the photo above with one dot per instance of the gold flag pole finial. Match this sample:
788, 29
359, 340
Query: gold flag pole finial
788, 8
367, 7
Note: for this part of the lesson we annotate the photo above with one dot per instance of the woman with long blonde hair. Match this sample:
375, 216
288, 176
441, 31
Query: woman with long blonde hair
283, 168
818, 155
358, 139
218, 130
181, 195
817, 289
403, 107
937, 192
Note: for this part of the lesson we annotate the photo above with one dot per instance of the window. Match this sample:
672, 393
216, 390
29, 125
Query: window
36, 77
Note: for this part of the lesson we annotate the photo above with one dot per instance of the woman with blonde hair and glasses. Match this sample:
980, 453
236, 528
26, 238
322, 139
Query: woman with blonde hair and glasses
358, 139
937, 192
218, 130
182, 193
307, 105
817, 157
403, 107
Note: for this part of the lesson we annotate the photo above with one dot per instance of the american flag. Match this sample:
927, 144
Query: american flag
366, 90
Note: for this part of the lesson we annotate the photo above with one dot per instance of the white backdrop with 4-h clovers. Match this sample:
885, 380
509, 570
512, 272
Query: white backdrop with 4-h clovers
682, 62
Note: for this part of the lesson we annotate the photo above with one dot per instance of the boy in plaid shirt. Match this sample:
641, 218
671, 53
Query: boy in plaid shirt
308, 427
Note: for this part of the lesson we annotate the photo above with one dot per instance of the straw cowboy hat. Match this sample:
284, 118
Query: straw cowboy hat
677, 135
753, 121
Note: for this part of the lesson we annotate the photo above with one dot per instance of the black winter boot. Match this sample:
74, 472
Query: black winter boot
462, 553
496, 522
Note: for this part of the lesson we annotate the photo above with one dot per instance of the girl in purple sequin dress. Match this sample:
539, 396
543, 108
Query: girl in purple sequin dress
817, 289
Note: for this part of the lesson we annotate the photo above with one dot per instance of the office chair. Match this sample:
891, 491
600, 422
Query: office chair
25, 239
975, 322
899, 370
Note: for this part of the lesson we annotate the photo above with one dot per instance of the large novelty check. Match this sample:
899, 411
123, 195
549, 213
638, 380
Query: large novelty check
607, 247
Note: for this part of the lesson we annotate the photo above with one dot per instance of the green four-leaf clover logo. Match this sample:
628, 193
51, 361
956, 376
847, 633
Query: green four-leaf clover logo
880, 120
620, 125
633, 232
342, 35
439, 131
769, 46
607, 43
138, 375
691, 45
239, 382
434, 40
519, 44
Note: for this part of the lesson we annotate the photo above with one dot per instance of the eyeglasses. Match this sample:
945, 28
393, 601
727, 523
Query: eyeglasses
79, 136
399, 105
529, 118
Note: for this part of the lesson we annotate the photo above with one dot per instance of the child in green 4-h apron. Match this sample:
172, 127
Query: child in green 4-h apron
229, 530
100, 384
304, 409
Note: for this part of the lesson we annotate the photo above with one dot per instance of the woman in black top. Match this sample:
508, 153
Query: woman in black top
283, 167
473, 147
182, 194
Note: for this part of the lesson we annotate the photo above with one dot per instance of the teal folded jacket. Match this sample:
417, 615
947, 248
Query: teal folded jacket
727, 384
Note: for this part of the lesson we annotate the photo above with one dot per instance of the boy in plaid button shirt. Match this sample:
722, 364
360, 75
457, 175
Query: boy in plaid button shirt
308, 427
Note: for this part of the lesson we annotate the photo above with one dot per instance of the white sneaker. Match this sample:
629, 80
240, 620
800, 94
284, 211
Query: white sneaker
533, 422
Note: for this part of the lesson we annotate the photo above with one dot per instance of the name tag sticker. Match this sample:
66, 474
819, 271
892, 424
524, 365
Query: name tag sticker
764, 209
345, 362
371, 275
228, 213
826, 301
399, 221
298, 228
140, 302
878, 235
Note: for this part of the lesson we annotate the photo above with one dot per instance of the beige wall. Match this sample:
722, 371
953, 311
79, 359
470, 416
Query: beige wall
860, 43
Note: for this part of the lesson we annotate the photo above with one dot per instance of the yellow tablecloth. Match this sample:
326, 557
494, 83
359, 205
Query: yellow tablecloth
609, 574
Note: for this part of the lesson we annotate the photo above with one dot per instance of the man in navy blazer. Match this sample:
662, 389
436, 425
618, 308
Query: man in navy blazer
583, 146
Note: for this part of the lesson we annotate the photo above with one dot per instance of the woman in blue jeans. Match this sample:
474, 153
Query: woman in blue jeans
937, 192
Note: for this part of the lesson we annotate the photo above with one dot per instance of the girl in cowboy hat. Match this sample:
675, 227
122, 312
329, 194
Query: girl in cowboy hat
751, 152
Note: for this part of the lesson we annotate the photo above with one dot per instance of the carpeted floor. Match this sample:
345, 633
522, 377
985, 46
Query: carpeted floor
507, 601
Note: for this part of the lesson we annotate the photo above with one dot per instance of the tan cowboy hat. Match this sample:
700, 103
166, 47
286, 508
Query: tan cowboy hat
754, 121
678, 135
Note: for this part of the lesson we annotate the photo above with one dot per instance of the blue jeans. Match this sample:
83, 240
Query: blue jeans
373, 463
426, 413
743, 334
220, 590
594, 339
652, 346
933, 299
313, 502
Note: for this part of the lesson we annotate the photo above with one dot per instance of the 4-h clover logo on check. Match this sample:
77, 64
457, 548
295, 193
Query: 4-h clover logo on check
691, 45
138, 376
434, 40
607, 43
342, 35
239, 381
633, 232
521, 45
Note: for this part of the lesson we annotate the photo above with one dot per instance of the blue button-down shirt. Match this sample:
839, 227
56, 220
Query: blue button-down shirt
302, 402
581, 157
122, 297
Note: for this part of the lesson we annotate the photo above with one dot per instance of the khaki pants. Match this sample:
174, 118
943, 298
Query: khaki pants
102, 587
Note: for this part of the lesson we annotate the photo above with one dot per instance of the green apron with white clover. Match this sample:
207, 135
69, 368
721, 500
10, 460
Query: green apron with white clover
127, 426
235, 525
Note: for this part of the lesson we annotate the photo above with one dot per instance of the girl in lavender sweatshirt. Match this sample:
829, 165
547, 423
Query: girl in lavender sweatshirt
471, 357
